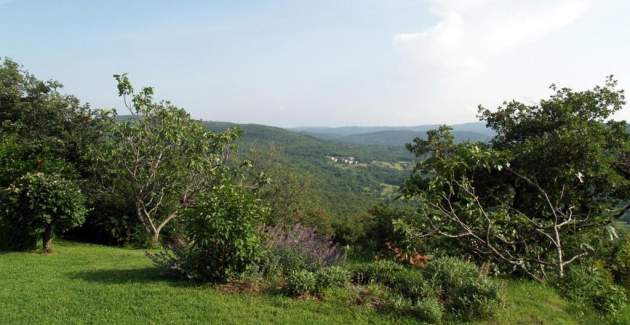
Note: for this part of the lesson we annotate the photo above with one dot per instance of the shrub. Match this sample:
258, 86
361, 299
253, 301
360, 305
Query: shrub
619, 263
429, 310
380, 271
301, 282
12, 236
593, 286
409, 283
43, 204
285, 261
332, 277
300, 247
465, 293
222, 230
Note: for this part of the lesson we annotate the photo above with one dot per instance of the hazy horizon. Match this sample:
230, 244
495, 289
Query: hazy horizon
322, 63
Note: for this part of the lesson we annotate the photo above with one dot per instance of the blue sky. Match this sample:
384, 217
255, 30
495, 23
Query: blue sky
322, 62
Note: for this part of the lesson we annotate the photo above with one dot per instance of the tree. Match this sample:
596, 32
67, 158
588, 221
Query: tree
161, 156
51, 131
42, 130
550, 182
39, 203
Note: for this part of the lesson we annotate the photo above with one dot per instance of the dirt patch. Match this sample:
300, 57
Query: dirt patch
235, 287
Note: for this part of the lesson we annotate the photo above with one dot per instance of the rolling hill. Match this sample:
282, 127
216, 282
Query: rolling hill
394, 136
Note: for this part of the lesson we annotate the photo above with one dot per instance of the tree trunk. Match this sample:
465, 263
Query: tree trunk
155, 239
47, 239
559, 253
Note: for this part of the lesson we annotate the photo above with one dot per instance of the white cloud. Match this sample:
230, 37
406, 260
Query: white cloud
469, 33
484, 52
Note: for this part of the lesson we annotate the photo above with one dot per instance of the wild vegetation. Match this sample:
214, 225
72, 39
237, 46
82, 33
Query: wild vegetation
470, 234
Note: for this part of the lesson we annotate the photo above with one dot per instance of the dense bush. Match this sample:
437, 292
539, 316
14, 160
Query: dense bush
593, 286
332, 277
222, 232
379, 271
111, 221
429, 310
281, 262
619, 261
13, 236
300, 247
41, 204
412, 292
464, 292
301, 282
382, 230
409, 283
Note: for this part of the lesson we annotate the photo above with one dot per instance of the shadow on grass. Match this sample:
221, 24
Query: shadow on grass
129, 276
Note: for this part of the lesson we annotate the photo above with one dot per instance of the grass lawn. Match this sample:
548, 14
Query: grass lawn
85, 283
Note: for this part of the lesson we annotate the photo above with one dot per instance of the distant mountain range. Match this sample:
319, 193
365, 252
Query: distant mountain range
395, 135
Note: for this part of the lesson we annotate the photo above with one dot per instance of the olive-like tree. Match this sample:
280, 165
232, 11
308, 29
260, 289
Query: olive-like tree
42, 204
547, 187
160, 157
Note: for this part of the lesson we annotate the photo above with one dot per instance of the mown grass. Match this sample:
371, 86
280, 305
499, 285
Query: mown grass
93, 284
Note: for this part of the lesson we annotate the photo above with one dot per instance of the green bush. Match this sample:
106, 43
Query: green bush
465, 293
429, 310
332, 277
301, 282
39, 204
223, 232
286, 261
12, 236
593, 286
408, 283
380, 271
619, 263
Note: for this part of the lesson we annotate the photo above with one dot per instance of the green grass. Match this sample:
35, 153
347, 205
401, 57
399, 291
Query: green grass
93, 284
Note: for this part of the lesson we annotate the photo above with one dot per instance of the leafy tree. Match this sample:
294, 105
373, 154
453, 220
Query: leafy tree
39, 203
550, 183
161, 156
43, 130
50, 130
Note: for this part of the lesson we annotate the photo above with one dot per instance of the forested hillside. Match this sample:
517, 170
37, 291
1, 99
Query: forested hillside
342, 189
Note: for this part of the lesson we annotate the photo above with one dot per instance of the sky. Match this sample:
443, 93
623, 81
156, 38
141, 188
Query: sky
322, 62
